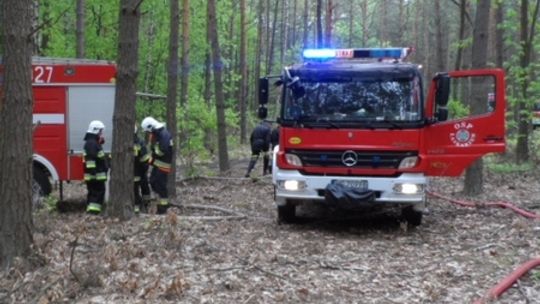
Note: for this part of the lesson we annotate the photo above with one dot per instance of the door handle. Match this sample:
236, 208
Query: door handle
493, 138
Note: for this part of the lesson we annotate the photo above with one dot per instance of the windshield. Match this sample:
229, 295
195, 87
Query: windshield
354, 100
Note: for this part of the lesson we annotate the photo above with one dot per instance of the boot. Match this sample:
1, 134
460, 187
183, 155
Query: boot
162, 206
251, 165
266, 169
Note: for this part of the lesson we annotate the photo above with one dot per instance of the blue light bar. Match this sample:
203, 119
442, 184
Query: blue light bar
386, 53
319, 53
363, 53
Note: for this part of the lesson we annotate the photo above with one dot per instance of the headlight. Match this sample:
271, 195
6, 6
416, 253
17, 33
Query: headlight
293, 159
408, 162
291, 185
408, 188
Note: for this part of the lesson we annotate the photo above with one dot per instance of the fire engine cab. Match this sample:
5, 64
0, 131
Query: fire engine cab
68, 94
356, 129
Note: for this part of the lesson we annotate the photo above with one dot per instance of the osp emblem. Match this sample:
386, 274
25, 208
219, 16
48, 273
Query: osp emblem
349, 158
463, 136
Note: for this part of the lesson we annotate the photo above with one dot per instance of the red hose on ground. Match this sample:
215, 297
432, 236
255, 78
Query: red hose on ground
510, 206
508, 281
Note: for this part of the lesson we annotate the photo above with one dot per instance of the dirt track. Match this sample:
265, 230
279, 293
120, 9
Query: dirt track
190, 256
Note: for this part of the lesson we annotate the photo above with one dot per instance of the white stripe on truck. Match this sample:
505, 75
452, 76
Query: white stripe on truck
48, 119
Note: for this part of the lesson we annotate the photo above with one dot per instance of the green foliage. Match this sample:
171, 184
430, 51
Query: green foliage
50, 203
535, 275
456, 109
510, 167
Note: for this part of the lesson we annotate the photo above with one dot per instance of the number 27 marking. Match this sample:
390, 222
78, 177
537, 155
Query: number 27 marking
43, 74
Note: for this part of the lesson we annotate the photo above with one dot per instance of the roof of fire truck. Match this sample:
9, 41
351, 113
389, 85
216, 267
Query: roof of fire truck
368, 61
69, 61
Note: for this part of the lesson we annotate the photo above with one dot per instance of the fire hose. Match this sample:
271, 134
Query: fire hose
497, 290
503, 205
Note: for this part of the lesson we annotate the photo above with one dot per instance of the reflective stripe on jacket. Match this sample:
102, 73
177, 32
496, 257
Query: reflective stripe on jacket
94, 159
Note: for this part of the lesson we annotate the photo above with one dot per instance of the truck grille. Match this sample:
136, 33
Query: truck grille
365, 159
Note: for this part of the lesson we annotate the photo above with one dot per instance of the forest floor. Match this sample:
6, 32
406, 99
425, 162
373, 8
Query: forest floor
198, 254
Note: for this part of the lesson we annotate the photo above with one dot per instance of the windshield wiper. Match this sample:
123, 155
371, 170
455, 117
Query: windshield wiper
391, 122
328, 122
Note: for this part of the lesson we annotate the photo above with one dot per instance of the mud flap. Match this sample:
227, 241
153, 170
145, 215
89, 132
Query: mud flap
337, 194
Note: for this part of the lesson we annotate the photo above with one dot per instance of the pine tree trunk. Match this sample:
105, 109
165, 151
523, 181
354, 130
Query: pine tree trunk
329, 23
79, 32
270, 61
526, 41
499, 35
292, 36
319, 25
16, 150
283, 32
365, 32
474, 177
243, 72
305, 25
439, 38
220, 100
258, 53
172, 82
122, 197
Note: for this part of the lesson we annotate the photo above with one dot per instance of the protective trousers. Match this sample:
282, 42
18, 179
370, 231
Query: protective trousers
158, 182
96, 195
253, 161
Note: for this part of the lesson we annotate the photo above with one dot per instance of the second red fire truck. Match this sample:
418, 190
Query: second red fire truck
357, 130
68, 94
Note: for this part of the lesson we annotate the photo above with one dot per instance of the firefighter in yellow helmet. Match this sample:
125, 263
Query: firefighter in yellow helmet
161, 145
95, 166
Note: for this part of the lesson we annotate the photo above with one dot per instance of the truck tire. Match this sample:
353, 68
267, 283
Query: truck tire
413, 217
286, 213
42, 180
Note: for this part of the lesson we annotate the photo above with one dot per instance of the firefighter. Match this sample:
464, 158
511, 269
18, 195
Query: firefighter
140, 163
95, 166
161, 145
274, 137
260, 143
274, 140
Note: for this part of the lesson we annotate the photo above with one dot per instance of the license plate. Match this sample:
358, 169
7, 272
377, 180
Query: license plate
361, 185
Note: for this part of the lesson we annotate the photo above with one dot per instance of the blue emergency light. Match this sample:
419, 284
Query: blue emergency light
365, 53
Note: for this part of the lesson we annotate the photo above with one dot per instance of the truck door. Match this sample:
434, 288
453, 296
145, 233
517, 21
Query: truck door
49, 138
475, 124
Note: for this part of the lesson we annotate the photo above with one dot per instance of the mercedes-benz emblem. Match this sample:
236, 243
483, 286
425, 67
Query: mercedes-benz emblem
349, 158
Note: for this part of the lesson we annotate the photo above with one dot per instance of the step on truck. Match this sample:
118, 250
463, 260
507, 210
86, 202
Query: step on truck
68, 94
358, 129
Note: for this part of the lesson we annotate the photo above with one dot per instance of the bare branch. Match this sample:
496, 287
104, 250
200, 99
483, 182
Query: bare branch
49, 22
71, 258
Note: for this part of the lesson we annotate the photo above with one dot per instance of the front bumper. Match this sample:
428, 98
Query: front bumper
314, 187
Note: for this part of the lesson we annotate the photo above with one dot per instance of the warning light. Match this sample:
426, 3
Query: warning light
364, 53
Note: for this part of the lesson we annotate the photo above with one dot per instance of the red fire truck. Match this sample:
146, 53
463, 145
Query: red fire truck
356, 129
68, 94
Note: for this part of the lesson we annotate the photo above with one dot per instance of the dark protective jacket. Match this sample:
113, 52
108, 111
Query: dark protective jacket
260, 137
142, 156
274, 137
161, 144
95, 161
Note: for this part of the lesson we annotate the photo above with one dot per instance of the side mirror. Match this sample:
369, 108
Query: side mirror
262, 112
263, 91
441, 114
443, 89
